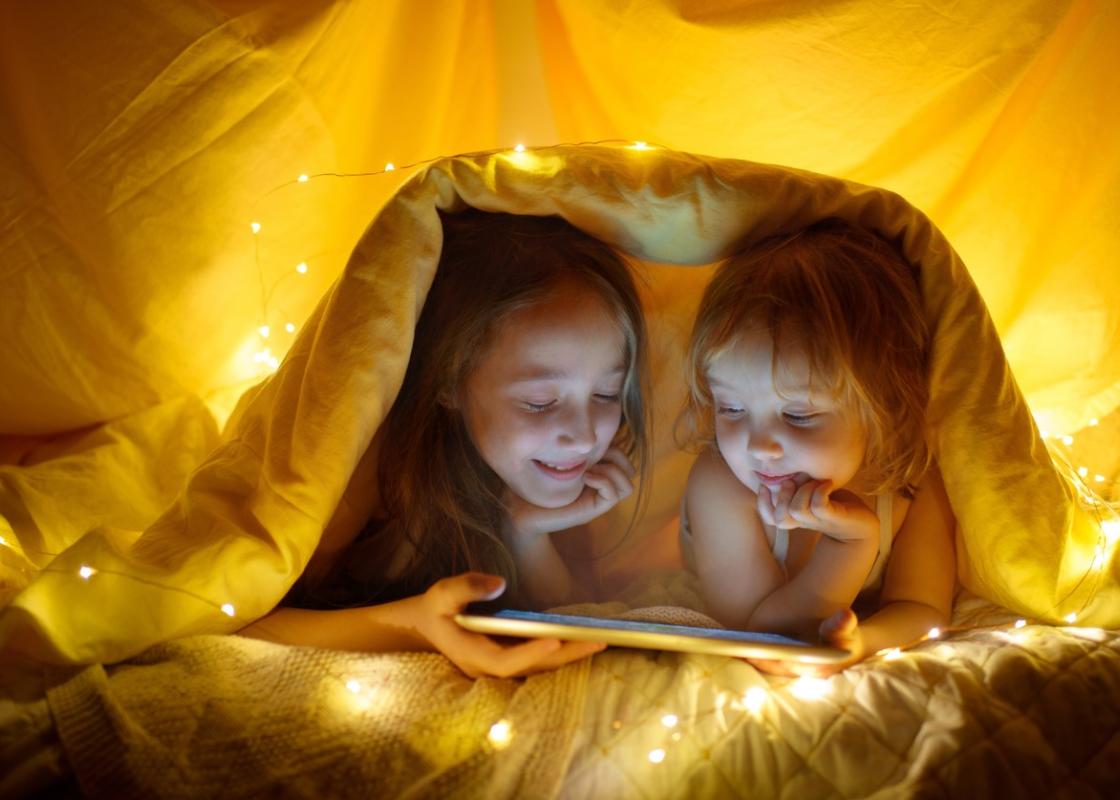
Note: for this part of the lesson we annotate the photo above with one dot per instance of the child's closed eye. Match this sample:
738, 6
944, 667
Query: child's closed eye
608, 397
729, 411
537, 408
800, 420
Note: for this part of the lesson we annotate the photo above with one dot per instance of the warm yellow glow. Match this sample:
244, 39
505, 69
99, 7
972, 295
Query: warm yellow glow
1099, 478
640, 146
754, 699
1092, 634
301, 268
1044, 434
934, 633
669, 720
656, 756
3, 542
302, 178
501, 733
255, 226
1094, 421
1082, 471
1067, 440
1020, 623
1111, 530
264, 331
519, 148
390, 166
809, 688
86, 572
1071, 617
354, 686
289, 327
227, 609
890, 654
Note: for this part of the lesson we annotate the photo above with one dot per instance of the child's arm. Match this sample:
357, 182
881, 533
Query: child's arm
544, 575
422, 622
733, 559
743, 584
920, 577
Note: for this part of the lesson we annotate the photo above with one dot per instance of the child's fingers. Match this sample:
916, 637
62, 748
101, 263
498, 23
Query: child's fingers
616, 456
781, 505
765, 505
603, 485
800, 506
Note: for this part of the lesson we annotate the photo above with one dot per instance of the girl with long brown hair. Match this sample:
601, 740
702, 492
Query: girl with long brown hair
520, 419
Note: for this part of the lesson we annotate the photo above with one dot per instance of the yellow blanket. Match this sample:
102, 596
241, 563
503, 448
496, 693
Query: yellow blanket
291, 460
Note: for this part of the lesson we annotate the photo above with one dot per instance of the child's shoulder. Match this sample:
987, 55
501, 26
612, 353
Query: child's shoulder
710, 480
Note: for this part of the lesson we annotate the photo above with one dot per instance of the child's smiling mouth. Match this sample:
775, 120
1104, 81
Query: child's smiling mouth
561, 470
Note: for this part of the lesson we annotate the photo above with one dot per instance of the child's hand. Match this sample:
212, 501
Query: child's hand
840, 630
474, 653
814, 506
605, 485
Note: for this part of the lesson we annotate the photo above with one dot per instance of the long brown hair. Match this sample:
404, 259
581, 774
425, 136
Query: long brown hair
441, 502
852, 302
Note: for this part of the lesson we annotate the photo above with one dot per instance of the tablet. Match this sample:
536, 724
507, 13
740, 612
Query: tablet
649, 635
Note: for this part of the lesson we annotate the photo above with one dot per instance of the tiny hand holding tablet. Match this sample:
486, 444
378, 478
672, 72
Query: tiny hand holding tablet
648, 635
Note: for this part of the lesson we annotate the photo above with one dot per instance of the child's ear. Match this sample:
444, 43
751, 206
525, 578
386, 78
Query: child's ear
449, 399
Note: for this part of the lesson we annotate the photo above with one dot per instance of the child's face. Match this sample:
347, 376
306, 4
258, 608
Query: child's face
766, 437
544, 404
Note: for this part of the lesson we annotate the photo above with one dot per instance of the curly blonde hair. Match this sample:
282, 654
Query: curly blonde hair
852, 302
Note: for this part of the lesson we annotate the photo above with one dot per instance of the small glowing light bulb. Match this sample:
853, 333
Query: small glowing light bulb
1071, 617
520, 148
1111, 530
301, 268
289, 327
1067, 440
1082, 471
1044, 434
228, 610
809, 688
353, 686
640, 145
500, 734
1094, 421
3, 542
255, 226
934, 633
1020, 623
891, 654
302, 178
389, 166
264, 331
669, 720
86, 572
656, 756
1098, 478
754, 699
273, 362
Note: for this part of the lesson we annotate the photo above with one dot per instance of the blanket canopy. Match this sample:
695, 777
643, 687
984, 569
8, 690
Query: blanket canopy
187, 180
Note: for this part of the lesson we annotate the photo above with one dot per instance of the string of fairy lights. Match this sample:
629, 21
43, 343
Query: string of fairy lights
500, 733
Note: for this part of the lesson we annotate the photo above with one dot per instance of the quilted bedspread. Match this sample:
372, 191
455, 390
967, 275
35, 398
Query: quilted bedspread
989, 710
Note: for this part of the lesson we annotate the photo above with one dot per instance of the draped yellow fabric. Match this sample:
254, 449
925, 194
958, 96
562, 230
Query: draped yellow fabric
145, 142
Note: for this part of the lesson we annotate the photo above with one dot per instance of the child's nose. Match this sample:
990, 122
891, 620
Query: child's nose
762, 444
577, 430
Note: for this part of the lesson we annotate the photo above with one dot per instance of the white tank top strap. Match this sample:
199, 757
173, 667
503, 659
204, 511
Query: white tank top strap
884, 504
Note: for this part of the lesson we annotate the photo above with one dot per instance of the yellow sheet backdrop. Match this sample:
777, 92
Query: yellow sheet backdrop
292, 459
141, 139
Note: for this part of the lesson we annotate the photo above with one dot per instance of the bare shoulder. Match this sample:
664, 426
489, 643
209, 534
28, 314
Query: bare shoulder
711, 480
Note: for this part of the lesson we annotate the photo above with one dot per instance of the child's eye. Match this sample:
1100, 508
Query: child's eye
801, 420
536, 408
604, 397
729, 411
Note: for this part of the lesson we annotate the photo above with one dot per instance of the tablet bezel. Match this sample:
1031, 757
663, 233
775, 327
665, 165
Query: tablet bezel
664, 636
